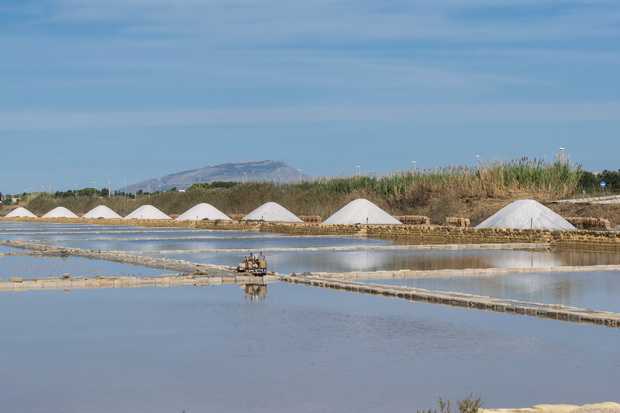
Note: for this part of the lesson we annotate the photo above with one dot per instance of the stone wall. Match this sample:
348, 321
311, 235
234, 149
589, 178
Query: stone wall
578, 240
413, 219
457, 222
589, 222
311, 218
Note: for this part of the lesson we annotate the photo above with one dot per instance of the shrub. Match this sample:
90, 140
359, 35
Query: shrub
467, 405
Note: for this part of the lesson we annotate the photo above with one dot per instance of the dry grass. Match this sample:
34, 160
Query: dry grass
606, 211
474, 193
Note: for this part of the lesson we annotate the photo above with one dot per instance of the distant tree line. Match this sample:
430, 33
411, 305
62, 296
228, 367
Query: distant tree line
104, 192
212, 185
591, 180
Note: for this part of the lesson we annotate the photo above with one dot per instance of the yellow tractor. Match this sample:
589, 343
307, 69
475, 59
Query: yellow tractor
254, 264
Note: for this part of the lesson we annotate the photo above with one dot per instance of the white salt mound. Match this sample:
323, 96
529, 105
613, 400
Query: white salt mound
101, 211
526, 214
20, 212
271, 212
203, 211
147, 212
361, 211
60, 212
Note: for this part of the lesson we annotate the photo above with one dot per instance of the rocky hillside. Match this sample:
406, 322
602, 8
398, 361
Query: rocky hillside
248, 171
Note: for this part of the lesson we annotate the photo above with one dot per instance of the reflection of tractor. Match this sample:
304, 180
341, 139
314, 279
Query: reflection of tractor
255, 290
253, 264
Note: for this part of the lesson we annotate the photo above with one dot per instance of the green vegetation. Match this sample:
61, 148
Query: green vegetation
591, 182
216, 184
437, 193
550, 180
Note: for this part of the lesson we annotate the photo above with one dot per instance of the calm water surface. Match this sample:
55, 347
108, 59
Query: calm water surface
593, 290
27, 267
299, 349
287, 262
152, 243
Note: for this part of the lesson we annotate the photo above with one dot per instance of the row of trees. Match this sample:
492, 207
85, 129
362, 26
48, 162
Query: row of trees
104, 192
213, 185
590, 180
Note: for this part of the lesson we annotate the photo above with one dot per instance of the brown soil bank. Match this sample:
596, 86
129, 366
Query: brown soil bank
477, 210
435, 206
606, 211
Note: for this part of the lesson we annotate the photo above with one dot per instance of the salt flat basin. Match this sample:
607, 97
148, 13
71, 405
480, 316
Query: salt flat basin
299, 349
287, 262
158, 243
28, 267
593, 290
94, 232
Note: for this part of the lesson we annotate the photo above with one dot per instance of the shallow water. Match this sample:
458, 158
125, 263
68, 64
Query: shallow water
593, 290
151, 243
301, 349
287, 262
28, 267
297, 350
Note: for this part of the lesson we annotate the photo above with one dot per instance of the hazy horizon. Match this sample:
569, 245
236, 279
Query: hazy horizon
130, 90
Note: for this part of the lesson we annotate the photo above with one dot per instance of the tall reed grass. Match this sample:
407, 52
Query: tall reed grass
437, 192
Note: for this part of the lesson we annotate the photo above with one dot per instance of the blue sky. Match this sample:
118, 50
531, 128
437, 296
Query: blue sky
124, 90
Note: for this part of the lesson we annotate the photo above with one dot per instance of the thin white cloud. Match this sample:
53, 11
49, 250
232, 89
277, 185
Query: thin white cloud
443, 114
267, 22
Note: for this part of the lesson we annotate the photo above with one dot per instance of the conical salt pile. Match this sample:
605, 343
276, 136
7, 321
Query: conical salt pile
147, 212
526, 214
271, 212
60, 212
203, 211
20, 212
101, 211
361, 211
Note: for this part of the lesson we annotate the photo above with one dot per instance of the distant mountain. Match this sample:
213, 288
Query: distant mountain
249, 171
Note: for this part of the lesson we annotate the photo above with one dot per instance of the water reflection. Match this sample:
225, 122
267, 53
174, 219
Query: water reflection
594, 290
254, 243
212, 350
28, 267
254, 291
287, 262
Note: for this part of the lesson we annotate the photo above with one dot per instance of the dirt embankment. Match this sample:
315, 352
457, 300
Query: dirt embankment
477, 210
607, 211
439, 208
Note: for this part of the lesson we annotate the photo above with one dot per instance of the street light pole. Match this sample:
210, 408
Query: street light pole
358, 170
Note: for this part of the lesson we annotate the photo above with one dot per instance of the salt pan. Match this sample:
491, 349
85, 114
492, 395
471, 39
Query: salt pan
361, 211
20, 212
60, 212
271, 212
526, 214
203, 211
101, 211
147, 212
